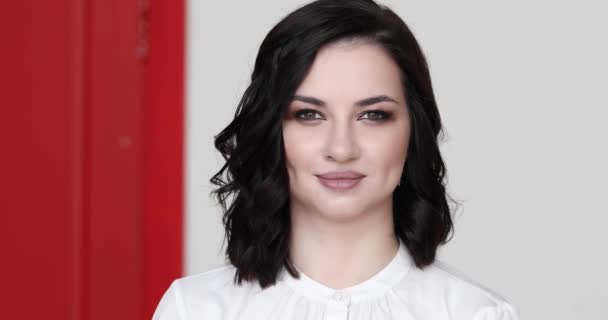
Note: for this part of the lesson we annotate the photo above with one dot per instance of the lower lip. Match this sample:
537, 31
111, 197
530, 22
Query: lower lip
339, 184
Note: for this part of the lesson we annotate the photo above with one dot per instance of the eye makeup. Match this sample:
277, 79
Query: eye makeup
376, 115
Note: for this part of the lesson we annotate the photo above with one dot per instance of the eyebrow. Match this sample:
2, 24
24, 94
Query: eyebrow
361, 103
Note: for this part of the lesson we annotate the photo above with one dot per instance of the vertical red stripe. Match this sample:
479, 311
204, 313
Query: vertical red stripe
114, 156
163, 132
77, 220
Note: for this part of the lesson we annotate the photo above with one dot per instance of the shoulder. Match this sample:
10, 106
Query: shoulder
212, 291
215, 288
212, 282
461, 297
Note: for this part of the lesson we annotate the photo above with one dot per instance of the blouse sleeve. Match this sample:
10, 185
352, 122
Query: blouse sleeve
502, 311
171, 305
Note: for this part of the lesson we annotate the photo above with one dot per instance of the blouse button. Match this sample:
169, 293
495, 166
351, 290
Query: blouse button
340, 296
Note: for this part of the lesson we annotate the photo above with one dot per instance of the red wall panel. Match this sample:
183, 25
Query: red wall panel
39, 162
91, 166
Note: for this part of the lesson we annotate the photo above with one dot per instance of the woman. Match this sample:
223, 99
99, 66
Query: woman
339, 196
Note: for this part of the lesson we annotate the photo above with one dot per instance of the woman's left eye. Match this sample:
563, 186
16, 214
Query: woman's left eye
377, 115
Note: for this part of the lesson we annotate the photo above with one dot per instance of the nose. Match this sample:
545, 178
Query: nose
341, 144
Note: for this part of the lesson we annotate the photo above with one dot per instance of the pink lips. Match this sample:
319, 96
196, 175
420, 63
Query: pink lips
341, 181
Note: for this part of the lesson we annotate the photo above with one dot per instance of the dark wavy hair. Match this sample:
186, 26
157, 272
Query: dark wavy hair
256, 218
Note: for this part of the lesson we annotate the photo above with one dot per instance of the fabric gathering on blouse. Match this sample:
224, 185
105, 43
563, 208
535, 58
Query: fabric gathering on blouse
399, 291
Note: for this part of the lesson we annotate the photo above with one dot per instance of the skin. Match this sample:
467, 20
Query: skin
340, 239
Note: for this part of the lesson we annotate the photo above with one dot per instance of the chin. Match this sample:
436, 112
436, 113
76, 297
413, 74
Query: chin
341, 209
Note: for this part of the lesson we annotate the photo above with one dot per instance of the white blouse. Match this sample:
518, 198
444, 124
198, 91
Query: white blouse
398, 291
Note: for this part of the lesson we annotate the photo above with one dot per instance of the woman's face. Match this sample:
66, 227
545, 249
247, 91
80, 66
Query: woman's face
330, 126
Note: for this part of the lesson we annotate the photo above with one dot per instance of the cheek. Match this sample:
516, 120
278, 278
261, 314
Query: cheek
298, 148
388, 149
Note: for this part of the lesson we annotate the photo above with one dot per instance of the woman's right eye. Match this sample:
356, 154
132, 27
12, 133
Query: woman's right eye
307, 114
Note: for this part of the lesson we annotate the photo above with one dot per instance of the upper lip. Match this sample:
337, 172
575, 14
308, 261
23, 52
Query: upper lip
341, 175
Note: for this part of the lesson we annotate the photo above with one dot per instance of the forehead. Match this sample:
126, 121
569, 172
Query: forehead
347, 71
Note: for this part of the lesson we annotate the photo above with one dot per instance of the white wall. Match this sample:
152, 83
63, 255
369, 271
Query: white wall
521, 86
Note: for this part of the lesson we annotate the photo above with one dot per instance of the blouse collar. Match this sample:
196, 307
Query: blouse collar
375, 286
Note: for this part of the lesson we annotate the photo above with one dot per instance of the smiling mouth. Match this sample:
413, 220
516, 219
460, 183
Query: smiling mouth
342, 184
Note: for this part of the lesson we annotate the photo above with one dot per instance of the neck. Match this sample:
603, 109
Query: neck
340, 254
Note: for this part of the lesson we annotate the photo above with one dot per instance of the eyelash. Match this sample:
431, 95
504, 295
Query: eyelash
383, 115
